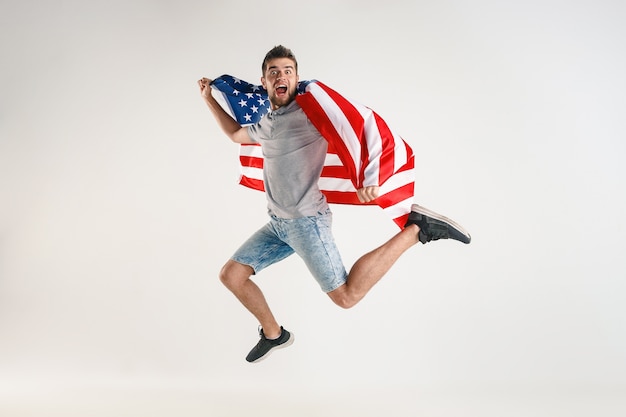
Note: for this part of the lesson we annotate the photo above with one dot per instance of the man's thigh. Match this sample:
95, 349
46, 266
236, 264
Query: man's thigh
262, 249
312, 239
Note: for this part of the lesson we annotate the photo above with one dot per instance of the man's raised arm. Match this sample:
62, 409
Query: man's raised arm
231, 128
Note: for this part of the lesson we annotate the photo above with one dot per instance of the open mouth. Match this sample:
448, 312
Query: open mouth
281, 90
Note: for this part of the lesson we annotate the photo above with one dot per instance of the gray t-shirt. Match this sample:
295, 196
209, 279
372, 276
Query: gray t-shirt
294, 153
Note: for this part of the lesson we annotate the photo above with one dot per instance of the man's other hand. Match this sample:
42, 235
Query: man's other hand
367, 194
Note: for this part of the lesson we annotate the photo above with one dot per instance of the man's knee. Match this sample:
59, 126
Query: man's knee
343, 298
233, 273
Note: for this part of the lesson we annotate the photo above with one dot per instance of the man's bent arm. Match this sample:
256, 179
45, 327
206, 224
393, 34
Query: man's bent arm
229, 126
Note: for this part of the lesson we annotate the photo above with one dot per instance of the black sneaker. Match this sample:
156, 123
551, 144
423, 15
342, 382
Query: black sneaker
266, 346
434, 226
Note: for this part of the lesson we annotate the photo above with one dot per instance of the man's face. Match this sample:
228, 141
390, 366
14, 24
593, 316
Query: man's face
280, 80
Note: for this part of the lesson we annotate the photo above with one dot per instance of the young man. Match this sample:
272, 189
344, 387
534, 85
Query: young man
300, 218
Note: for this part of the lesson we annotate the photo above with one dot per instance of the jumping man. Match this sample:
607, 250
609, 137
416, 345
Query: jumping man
300, 217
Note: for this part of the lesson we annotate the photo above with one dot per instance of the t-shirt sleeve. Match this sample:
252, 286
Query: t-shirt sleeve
254, 131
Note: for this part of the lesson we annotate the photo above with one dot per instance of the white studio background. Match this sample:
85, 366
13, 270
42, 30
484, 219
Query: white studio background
119, 204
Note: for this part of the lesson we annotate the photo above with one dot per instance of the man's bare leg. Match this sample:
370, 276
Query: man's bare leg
371, 267
236, 277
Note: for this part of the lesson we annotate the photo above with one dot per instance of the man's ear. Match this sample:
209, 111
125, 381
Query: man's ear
263, 82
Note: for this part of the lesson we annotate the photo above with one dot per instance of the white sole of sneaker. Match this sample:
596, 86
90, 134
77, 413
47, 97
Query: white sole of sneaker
423, 210
284, 345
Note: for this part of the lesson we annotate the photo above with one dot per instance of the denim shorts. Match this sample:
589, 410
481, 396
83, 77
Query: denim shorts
310, 237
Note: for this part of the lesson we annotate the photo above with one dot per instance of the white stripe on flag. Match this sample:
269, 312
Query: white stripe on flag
254, 173
400, 156
220, 97
397, 180
332, 160
399, 209
374, 146
251, 150
335, 184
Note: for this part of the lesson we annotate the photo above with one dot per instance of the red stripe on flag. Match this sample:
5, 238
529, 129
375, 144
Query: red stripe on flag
344, 197
322, 123
410, 164
335, 172
252, 183
401, 221
251, 161
394, 196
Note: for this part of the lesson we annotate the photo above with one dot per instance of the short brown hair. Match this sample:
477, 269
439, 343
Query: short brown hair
278, 52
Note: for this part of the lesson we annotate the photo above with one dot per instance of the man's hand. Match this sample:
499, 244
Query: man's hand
205, 88
367, 194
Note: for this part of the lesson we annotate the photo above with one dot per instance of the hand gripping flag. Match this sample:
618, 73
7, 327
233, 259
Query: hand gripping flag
362, 150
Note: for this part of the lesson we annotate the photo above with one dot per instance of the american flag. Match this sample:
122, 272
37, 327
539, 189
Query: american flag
362, 150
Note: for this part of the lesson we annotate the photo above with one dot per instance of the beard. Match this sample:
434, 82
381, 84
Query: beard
282, 100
